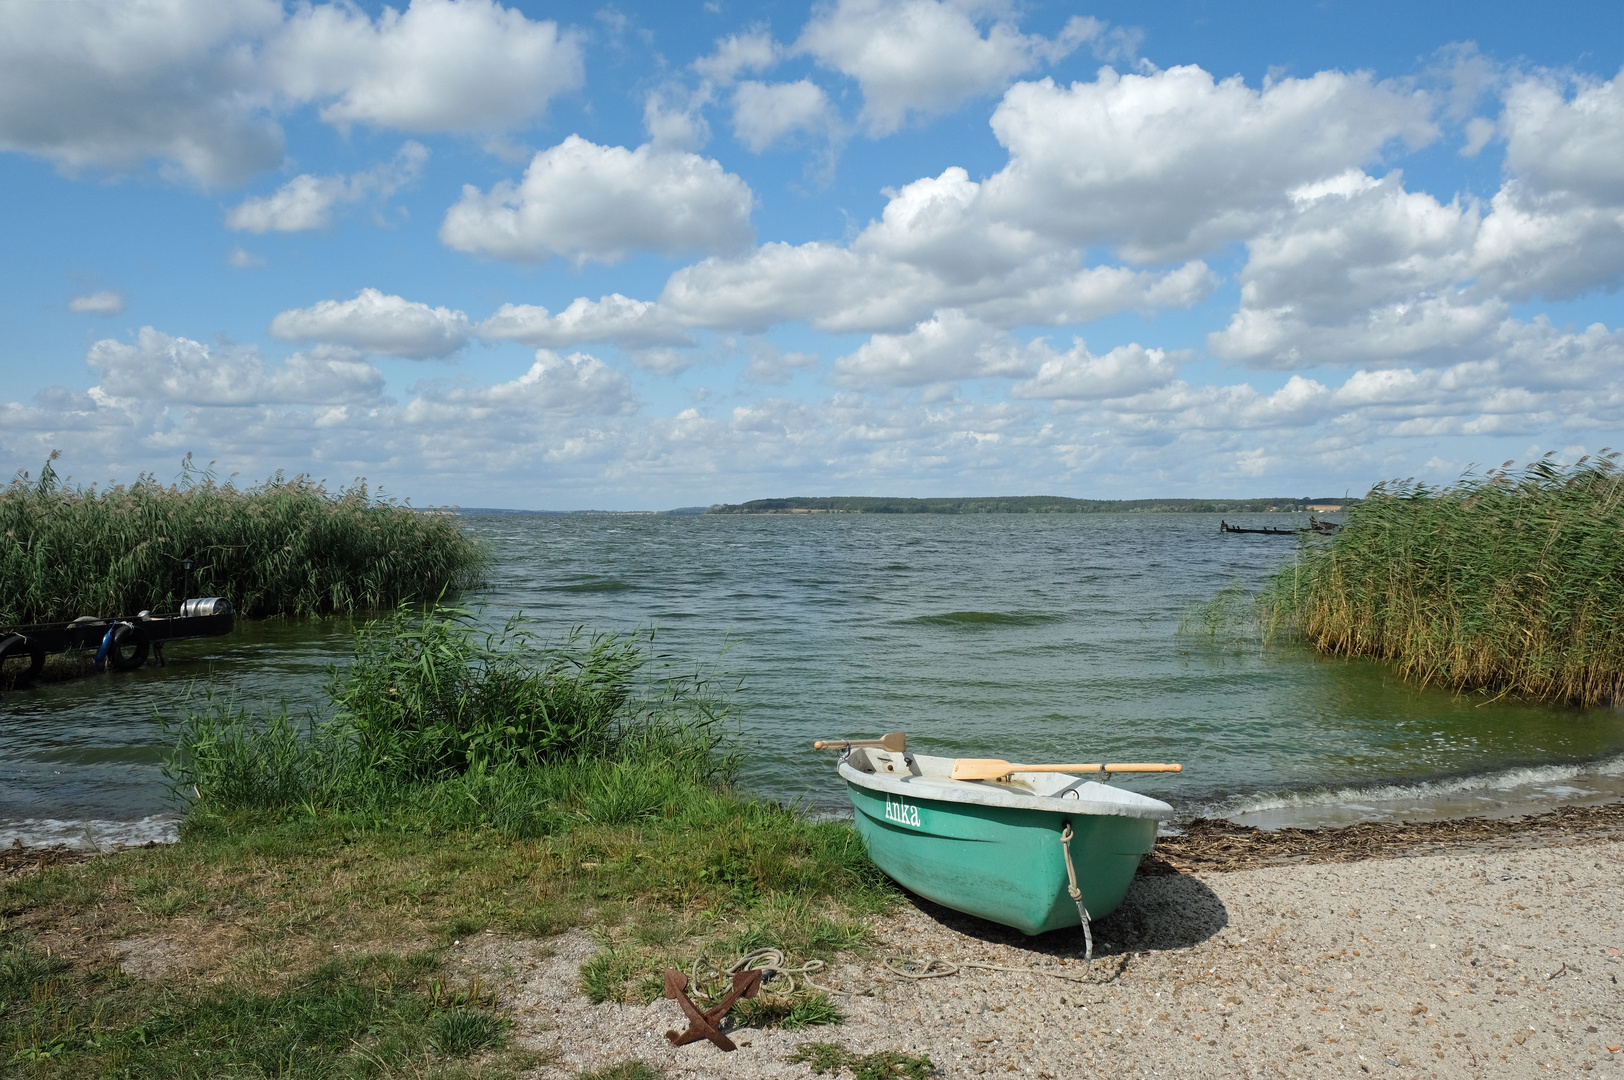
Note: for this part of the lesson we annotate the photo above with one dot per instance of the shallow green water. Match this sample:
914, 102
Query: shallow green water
1026, 637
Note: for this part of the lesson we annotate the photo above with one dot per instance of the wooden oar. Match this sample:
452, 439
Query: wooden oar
896, 742
993, 769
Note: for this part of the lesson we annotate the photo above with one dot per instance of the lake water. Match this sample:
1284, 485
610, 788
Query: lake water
1032, 638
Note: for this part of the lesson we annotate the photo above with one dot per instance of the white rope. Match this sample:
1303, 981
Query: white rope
1077, 895
769, 961
932, 968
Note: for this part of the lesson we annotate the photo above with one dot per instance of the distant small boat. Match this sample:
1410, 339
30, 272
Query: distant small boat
1226, 527
1315, 525
994, 848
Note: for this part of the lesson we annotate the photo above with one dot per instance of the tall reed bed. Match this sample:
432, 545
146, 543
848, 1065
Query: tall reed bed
284, 547
1509, 581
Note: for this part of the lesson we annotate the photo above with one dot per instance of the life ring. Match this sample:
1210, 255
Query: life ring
127, 636
16, 645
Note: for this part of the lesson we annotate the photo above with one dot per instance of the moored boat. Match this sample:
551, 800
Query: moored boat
1007, 849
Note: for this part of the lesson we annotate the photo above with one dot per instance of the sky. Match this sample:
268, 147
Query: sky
642, 256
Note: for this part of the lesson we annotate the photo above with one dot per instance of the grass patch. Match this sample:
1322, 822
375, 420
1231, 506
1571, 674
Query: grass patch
625, 1070
824, 1057
284, 547
1512, 581
334, 871
377, 1014
789, 1011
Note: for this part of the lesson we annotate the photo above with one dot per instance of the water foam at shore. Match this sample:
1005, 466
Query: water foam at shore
1499, 793
90, 835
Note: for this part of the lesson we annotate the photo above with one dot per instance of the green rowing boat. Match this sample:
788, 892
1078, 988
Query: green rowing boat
1008, 850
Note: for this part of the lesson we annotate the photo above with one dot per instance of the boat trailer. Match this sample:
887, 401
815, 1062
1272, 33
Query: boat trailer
122, 642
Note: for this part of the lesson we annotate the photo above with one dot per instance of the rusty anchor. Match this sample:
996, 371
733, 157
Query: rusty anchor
704, 1024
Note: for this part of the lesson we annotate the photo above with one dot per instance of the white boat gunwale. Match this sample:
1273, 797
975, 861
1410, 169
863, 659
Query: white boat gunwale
930, 778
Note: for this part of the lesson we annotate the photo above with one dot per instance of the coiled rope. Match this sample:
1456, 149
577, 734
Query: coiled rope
769, 961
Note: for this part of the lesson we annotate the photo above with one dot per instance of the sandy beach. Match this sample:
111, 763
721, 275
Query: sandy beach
1500, 958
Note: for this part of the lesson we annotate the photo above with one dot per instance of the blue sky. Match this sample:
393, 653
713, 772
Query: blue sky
567, 255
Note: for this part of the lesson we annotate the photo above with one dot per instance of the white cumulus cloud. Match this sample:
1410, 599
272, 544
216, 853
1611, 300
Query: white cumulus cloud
1557, 142
950, 345
938, 245
754, 50
588, 202
1173, 163
441, 65
631, 324
1079, 375
162, 368
1360, 270
764, 113
925, 56
565, 385
376, 322
106, 302
199, 86
306, 202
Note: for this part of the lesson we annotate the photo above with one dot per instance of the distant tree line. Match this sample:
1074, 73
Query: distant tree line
1017, 504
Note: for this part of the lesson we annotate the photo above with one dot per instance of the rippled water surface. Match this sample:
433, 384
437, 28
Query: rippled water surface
1034, 638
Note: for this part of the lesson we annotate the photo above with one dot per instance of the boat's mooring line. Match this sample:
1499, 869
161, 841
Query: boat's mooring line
932, 968
1077, 896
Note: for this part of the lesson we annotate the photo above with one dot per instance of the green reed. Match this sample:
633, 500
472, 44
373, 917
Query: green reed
1511, 581
284, 547
436, 710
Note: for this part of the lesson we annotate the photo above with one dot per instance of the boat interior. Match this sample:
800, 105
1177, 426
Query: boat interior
939, 770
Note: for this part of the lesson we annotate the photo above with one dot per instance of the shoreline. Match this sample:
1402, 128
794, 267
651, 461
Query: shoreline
1474, 948
1222, 846
1206, 845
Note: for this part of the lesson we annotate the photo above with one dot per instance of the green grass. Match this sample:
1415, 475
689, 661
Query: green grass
334, 869
825, 1057
284, 547
368, 1016
1512, 581
625, 1070
789, 1011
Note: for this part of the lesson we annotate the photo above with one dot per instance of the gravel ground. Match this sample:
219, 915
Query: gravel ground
1479, 963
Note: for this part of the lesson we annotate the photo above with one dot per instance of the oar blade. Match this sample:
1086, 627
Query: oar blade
980, 768
896, 742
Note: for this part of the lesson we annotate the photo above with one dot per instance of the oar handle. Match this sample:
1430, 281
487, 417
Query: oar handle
1140, 766
895, 741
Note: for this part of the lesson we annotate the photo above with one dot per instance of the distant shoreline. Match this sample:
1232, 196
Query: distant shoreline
995, 504
1027, 504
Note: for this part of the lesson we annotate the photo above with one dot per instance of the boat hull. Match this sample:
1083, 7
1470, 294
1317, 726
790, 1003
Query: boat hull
1001, 863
